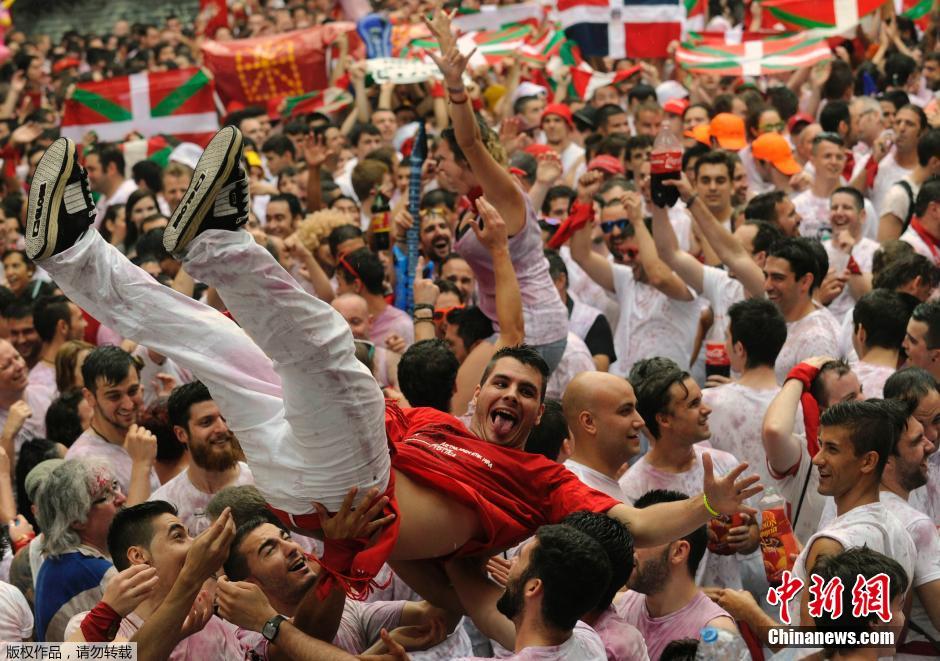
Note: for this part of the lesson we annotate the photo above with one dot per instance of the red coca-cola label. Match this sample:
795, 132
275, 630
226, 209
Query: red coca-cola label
716, 354
381, 222
665, 162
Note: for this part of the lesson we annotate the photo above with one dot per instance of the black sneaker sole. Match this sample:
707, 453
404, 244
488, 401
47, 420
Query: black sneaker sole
45, 198
216, 164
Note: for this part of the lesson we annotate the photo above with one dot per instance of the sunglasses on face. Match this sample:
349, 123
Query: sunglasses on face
440, 314
768, 128
608, 225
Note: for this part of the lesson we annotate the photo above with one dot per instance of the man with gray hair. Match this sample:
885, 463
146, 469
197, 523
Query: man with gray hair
76, 505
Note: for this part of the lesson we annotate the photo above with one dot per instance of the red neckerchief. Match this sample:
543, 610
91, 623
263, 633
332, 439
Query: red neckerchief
932, 242
849, 165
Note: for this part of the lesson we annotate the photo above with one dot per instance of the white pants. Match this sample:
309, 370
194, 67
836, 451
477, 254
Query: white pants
308, 440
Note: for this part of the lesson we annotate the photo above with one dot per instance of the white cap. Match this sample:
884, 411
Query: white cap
187, 153
669, 90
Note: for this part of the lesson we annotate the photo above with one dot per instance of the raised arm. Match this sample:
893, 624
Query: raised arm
495, 180
597, 268
479, 595
782, 448
667, 522
163, 630
667, 245
657, 272
729, 251
493, 234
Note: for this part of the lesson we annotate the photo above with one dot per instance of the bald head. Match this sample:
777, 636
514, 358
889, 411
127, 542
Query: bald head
355, 311
600, 410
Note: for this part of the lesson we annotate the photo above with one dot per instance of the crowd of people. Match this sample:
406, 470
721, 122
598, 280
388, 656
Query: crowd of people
238, 420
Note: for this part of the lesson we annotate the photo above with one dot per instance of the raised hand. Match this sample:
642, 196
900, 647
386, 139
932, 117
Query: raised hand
491, 230
243, 604
355, 523
130, 588
199, 615
316, 152
141, 445
727, 494
17, 416
423, 289
588, 185
451, 62
683, 184
548, 169
210, 549
633, 203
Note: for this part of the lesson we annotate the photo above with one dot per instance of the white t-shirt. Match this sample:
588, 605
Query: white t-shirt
736, 420
16, 618
897, 202
872, 378
570, 156
889, 173
596, 480
871, 525
715, 570
721, 291
584, 645
816, 334
575, 359
864, 253
651, 323
920, 246
926, 499
190, 502
587, 291
43, 374
91, 446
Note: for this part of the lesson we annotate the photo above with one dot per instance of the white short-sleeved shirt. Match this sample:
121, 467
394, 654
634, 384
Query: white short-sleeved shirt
16, 617
717, 570
816, 334
651, 323
586, 290
575, 359
596, 479
920, 246
584, 645
871, 525
190, 502
721, 291
897, 202
91, 446
926, 499
864, 253
814, 214
889, 173
736, 421
872, 378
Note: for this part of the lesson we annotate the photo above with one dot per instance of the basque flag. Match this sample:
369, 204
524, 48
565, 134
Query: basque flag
622, 28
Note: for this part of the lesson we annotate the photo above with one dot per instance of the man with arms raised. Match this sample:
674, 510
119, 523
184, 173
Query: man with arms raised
199, 425
308, 440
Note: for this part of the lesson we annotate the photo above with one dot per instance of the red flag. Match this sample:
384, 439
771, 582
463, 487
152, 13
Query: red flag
252, 71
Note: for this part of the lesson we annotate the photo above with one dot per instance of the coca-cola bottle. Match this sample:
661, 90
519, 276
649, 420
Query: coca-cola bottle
717, 360
777, 541
665, 163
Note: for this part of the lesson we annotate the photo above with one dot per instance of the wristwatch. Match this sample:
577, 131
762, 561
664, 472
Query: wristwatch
272, 627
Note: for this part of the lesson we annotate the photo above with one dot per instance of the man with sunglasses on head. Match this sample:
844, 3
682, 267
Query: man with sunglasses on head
659, 314
362, 272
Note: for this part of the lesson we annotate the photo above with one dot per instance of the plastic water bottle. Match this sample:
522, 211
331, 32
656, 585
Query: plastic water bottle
721, 645
665, 163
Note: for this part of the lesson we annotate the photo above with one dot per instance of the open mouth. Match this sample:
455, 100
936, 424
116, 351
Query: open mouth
503, 421
298, 565
441, 244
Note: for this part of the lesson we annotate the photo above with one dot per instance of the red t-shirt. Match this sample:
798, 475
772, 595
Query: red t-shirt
513, 491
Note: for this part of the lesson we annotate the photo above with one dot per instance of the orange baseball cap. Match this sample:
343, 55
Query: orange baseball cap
774, 147
701, 133
728, 130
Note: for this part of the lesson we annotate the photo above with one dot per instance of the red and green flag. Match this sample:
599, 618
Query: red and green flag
179, 103
585, 81
753, 58
818, 14
328, 101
